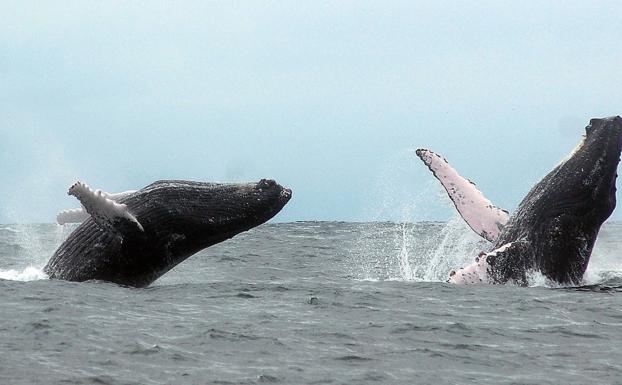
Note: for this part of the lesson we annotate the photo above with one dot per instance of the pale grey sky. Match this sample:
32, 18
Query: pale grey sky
328, 98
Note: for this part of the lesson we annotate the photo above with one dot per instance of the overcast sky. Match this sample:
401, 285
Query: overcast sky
328, 98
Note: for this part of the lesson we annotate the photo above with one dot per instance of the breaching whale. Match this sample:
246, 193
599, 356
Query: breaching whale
132, 238
554, 227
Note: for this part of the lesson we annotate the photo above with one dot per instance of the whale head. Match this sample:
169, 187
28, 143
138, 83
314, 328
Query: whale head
211, 208
584, 184
600, 150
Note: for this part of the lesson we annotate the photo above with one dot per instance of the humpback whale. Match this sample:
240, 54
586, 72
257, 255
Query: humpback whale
133, 238
554, 227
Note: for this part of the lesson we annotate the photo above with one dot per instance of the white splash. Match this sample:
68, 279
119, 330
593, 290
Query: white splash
606, 260
419, 251
537, 279
30, 273
457, 246
35, 244
406, 270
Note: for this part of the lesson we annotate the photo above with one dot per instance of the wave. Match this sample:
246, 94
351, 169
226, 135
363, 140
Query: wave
10, 230
30, 273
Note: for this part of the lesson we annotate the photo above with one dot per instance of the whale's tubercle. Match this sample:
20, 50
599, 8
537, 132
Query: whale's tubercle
71, 216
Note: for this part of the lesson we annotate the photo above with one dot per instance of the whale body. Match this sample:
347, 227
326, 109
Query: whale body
135, 237
555, 226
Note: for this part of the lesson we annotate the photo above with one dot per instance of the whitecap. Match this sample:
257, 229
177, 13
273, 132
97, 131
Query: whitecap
30, 273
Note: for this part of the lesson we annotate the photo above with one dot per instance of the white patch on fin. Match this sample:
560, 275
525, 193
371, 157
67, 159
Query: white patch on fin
79, 215
71, 216
107, 213
480, 214
476, 272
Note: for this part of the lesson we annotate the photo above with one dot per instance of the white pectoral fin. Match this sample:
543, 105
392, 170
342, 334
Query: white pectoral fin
480, 214
71, 216
479, 271
79, 215
107, 214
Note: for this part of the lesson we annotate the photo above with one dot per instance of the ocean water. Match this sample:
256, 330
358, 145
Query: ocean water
309, 303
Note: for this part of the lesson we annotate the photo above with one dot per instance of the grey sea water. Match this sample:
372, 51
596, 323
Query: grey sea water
309, 303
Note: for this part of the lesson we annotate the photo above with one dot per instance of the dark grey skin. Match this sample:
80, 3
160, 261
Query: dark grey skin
179, 219
555, 226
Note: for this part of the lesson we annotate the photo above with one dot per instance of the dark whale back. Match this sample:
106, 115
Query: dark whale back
556, 225
179, 218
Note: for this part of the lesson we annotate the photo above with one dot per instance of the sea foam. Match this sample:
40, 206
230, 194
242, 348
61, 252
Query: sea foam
30, 273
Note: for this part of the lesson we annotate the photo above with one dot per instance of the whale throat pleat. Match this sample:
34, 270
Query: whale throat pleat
480, 214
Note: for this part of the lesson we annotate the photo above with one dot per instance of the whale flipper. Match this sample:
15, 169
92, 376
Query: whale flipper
72, 216
480, 214
106, 213
79, 215
480, 271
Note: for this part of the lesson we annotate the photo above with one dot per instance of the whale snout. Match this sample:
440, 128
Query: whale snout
270, 186
286, 194
599, 125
